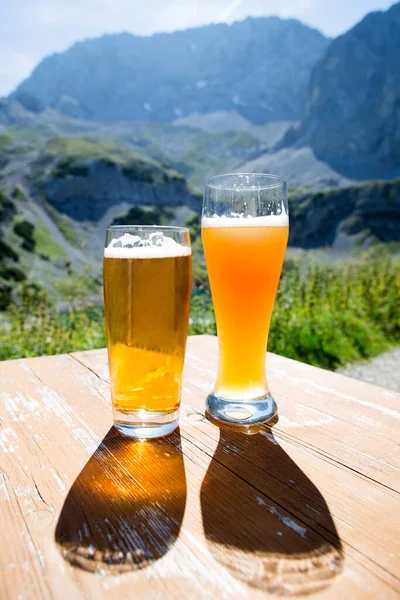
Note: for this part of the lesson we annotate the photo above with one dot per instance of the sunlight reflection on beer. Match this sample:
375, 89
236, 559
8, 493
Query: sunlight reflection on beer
147, 295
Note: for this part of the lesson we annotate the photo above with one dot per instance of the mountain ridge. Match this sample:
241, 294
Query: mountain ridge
171, 75
353, 108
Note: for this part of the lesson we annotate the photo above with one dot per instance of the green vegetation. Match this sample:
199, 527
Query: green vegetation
83, 149
33, 328
25, 230
45, 244
369, 210
327, 315
74, 154
64, 224
136, 215
15, 142
7, 208
5, 142
11, 272
19, 193
324, 315
331, 315
7, 252
35, 238
243, 140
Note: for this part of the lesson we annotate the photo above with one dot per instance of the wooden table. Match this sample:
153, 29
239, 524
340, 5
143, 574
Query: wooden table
310, 506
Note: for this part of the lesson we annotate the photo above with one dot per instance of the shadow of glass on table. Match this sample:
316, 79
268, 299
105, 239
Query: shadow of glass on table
264, 519
125, 509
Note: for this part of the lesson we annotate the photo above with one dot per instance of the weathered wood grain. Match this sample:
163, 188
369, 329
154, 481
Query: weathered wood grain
309, 507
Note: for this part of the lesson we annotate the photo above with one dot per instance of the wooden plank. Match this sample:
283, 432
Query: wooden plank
351, 422
354, 486
204, 513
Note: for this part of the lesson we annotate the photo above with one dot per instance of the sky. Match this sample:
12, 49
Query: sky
32, 29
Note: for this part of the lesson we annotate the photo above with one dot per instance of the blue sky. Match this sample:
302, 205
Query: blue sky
32, 29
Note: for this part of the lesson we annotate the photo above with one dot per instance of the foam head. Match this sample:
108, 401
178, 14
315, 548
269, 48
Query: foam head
237, 220
157, 245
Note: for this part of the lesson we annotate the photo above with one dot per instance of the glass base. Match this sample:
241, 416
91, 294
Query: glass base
244, 412
145, 424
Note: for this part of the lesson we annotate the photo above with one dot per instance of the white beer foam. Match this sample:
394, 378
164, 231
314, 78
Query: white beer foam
131, 246
281, 220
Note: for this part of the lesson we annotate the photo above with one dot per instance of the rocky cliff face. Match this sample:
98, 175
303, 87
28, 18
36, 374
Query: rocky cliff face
259, 67
87, 196
353, 110
372, 209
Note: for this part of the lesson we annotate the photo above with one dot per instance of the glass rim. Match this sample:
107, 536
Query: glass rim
277, 180
176, 228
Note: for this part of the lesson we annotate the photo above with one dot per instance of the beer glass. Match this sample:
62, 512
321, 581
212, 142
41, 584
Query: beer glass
147, 283
245, 228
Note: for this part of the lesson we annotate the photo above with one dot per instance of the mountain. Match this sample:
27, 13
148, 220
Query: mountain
353, 108
347, 217
223, 121
195, 153
59, 193
259, 67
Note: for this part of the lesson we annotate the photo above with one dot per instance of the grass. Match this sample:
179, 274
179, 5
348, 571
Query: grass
16, 142
73, 154
45, 244
82, 149
324, 315
331, 315
34, 329
328, 315
64, 225
5, 142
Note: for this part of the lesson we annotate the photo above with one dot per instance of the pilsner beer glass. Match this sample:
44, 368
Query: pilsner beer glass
147, 282
245, 227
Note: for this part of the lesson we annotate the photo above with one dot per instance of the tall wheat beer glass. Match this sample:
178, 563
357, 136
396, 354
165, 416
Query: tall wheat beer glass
147, 281
245, 228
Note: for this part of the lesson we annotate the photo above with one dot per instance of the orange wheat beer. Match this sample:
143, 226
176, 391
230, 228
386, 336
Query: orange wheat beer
146, 299
244, 261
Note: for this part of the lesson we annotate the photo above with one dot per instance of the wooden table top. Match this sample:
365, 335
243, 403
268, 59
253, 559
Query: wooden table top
308, 507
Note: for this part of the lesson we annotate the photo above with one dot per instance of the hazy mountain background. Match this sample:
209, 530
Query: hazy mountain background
258, 67
123, 126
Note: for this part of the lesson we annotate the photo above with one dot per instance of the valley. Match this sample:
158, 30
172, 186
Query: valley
71, 165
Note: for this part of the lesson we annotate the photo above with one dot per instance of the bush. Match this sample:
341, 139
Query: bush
323, 315
25, 230
7, 252
5, 296
7, 208
159, 215
11, 273
34, 328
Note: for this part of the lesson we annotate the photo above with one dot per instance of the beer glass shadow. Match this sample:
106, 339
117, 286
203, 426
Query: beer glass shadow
264, 519
125, 509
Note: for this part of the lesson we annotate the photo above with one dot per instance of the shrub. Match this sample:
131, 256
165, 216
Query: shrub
7, 252
325, 315
158, 215
36, 329
5, 296
12, 273
25, 230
